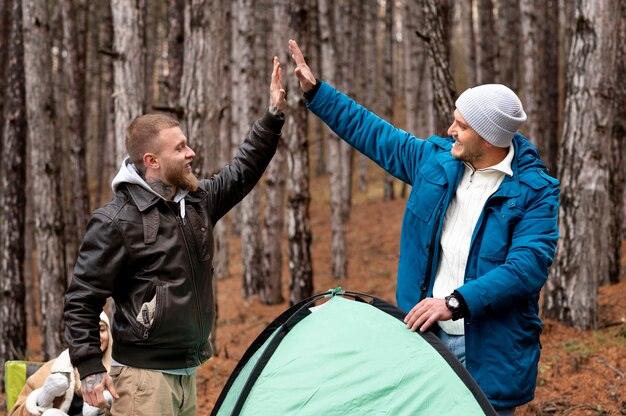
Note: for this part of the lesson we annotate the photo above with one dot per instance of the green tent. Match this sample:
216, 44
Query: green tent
351, 355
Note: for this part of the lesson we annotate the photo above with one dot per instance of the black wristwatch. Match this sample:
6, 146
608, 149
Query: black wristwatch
452, 303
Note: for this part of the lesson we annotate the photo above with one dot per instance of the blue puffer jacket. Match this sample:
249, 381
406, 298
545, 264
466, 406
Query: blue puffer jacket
512, 246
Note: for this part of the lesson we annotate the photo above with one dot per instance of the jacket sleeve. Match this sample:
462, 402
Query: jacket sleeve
525, 270
235, 180
393, 149
101, 259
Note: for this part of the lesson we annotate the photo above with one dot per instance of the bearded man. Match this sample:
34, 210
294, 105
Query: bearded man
150, 249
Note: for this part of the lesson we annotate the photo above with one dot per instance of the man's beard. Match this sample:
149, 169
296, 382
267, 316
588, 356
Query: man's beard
177, 177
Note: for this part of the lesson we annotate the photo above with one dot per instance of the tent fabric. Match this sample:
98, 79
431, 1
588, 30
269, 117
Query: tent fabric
348, 357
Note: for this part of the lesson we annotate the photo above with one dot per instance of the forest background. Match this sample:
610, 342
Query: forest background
74, 73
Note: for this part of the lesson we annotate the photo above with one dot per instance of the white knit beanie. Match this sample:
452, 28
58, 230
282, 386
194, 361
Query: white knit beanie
493, 111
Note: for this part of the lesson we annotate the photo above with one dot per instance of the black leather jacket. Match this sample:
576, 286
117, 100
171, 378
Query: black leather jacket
138, 248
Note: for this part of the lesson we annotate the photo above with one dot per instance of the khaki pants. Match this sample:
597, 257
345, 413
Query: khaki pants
152, 393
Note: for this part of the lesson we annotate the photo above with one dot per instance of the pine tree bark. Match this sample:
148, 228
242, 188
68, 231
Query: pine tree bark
152, 47
298, 192
45, 173
618, 235
582, 259
12, 198
329, 64
197, 82
344, 18
386, 97
509, 33
270, 289
106, 158
175, 50
128, 67
247, 112
75, 98
5, 23
541, 95
370, 70
224, 98
469, 41
443, 88
486, 48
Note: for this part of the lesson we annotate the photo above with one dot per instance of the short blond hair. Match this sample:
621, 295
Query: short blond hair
141, 135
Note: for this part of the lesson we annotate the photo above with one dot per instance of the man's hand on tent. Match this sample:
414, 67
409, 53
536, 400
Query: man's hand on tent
426, 313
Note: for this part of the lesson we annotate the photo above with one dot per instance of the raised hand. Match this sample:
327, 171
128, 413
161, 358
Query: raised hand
277, 93
302, 71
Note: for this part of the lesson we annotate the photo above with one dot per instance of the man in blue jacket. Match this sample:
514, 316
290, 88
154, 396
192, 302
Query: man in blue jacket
479, 230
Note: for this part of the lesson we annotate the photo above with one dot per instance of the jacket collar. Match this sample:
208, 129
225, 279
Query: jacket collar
144, 199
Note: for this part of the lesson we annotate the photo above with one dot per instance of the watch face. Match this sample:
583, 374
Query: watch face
453, 302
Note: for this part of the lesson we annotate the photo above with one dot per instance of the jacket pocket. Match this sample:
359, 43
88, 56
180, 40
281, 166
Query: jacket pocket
427, 193
150, 312
498, 231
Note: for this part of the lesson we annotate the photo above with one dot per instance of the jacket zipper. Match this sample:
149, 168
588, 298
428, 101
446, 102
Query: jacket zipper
180, 222
431, 255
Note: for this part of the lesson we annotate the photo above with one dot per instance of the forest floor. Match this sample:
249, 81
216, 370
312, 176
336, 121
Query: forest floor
580, 372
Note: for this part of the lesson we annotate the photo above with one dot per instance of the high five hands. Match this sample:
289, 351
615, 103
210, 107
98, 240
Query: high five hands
277, 92
302, 71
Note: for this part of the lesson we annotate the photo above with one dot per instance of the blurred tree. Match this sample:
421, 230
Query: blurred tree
298, 191
45, 172
586, 167
509, 35
486, 47
387, 98
129, 67
74, 72
541, 73
443, 87
246, 85
330, 75
13, 198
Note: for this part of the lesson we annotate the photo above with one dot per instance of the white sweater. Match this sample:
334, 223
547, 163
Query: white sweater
475, 188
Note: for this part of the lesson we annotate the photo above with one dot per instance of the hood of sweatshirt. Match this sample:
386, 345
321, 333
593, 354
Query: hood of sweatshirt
128, 173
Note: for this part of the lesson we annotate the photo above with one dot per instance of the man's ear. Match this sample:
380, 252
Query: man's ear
150, 161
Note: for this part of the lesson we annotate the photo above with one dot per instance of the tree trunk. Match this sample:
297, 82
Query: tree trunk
468, 37
387, 97
247, 112
486, 48
224, 98
175, 51
443, 87
107, 162
585, 158
370, 71
343, 16
197, 83
128, 68
45, 174
12, 198
75, 81
541, 77
508, 29
270, 290
152, 48
5, 24
329, 63
298, 192
619, 159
